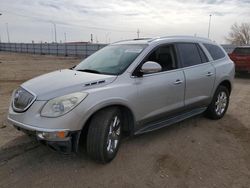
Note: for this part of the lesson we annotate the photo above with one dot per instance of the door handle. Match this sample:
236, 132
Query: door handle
177, 82
209, 74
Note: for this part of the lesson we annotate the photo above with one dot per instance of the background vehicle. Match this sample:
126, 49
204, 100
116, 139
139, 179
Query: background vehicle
129, 87
241, 58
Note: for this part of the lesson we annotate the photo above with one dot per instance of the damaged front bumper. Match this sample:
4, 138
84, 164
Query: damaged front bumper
62, 140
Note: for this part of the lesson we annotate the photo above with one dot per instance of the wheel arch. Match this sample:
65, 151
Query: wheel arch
127, 114
227, 84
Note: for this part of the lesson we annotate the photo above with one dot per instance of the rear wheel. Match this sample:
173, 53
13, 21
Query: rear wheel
104, 135
219, 104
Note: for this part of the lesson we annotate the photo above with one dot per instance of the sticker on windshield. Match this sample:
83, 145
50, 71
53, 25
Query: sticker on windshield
137, 50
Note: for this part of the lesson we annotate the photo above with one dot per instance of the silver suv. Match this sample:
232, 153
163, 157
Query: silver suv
127, 88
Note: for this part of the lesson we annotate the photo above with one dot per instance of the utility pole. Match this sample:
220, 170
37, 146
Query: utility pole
7, 30
138, 33
55, 31
91, 38
52, 35
209, 25
65, 37
106, 37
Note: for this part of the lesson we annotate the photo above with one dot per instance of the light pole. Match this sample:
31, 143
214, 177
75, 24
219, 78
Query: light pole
7, 30
209, 25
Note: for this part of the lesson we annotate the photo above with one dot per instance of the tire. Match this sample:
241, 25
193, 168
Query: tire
104, 135
218, 106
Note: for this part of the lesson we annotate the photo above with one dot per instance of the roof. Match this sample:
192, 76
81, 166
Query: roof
165, 39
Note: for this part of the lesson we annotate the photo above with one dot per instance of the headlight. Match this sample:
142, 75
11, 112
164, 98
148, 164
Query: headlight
62, 105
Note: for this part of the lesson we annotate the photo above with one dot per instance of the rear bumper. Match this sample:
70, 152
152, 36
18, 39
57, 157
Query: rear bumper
242, 67
65, 145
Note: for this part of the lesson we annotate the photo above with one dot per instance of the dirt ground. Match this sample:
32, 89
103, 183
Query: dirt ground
197, 152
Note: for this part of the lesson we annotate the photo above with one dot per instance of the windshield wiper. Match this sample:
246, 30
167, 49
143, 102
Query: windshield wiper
89, 70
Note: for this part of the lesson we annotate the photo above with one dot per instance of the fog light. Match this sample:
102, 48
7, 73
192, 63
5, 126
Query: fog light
57, 135
61, 134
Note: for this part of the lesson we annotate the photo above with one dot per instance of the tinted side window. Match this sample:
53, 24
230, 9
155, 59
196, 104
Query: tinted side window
214, 51
163, 55
189, 54
204, 58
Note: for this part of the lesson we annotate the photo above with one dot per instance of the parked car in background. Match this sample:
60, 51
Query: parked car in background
241, 57
129, 87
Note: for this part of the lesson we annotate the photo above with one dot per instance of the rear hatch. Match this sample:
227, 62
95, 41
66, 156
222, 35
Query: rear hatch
241, 58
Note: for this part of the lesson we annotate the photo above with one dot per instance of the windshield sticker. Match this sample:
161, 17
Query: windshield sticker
138, 50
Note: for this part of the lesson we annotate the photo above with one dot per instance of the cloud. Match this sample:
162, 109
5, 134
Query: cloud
49, 5
122, 17
212, 1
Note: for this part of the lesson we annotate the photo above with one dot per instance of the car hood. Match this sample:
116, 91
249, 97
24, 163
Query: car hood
62, 82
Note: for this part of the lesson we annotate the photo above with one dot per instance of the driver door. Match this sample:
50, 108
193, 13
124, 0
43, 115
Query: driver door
160, 94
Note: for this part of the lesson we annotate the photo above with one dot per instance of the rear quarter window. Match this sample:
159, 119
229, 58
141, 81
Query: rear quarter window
215, 51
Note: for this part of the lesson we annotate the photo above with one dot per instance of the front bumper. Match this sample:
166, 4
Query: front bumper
64, 145
32, 128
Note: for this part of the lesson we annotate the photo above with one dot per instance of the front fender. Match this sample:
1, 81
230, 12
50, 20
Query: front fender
104, 104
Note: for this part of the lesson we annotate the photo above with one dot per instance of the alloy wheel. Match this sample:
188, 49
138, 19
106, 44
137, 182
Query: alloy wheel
113, 135
221, 103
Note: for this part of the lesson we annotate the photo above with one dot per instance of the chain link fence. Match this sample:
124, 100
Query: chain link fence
64, 49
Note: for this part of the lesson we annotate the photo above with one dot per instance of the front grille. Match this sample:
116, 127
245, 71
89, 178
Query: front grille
22, 100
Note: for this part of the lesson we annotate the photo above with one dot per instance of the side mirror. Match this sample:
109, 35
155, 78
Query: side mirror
150, 67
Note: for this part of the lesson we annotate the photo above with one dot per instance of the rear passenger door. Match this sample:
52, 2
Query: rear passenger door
199, 74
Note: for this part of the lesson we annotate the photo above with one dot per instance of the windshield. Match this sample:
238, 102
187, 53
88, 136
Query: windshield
113, 59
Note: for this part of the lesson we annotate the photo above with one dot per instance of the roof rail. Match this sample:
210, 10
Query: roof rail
142, 39
164, 37
184, 36
131, 40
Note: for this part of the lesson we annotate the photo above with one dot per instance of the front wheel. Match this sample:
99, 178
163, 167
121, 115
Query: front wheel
219, 104
104, 135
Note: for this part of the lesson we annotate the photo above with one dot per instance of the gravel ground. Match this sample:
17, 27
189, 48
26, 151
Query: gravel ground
197, 152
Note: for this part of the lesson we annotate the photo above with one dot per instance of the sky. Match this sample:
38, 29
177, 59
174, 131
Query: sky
113, 20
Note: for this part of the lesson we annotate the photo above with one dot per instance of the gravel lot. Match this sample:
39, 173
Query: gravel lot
197, 152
